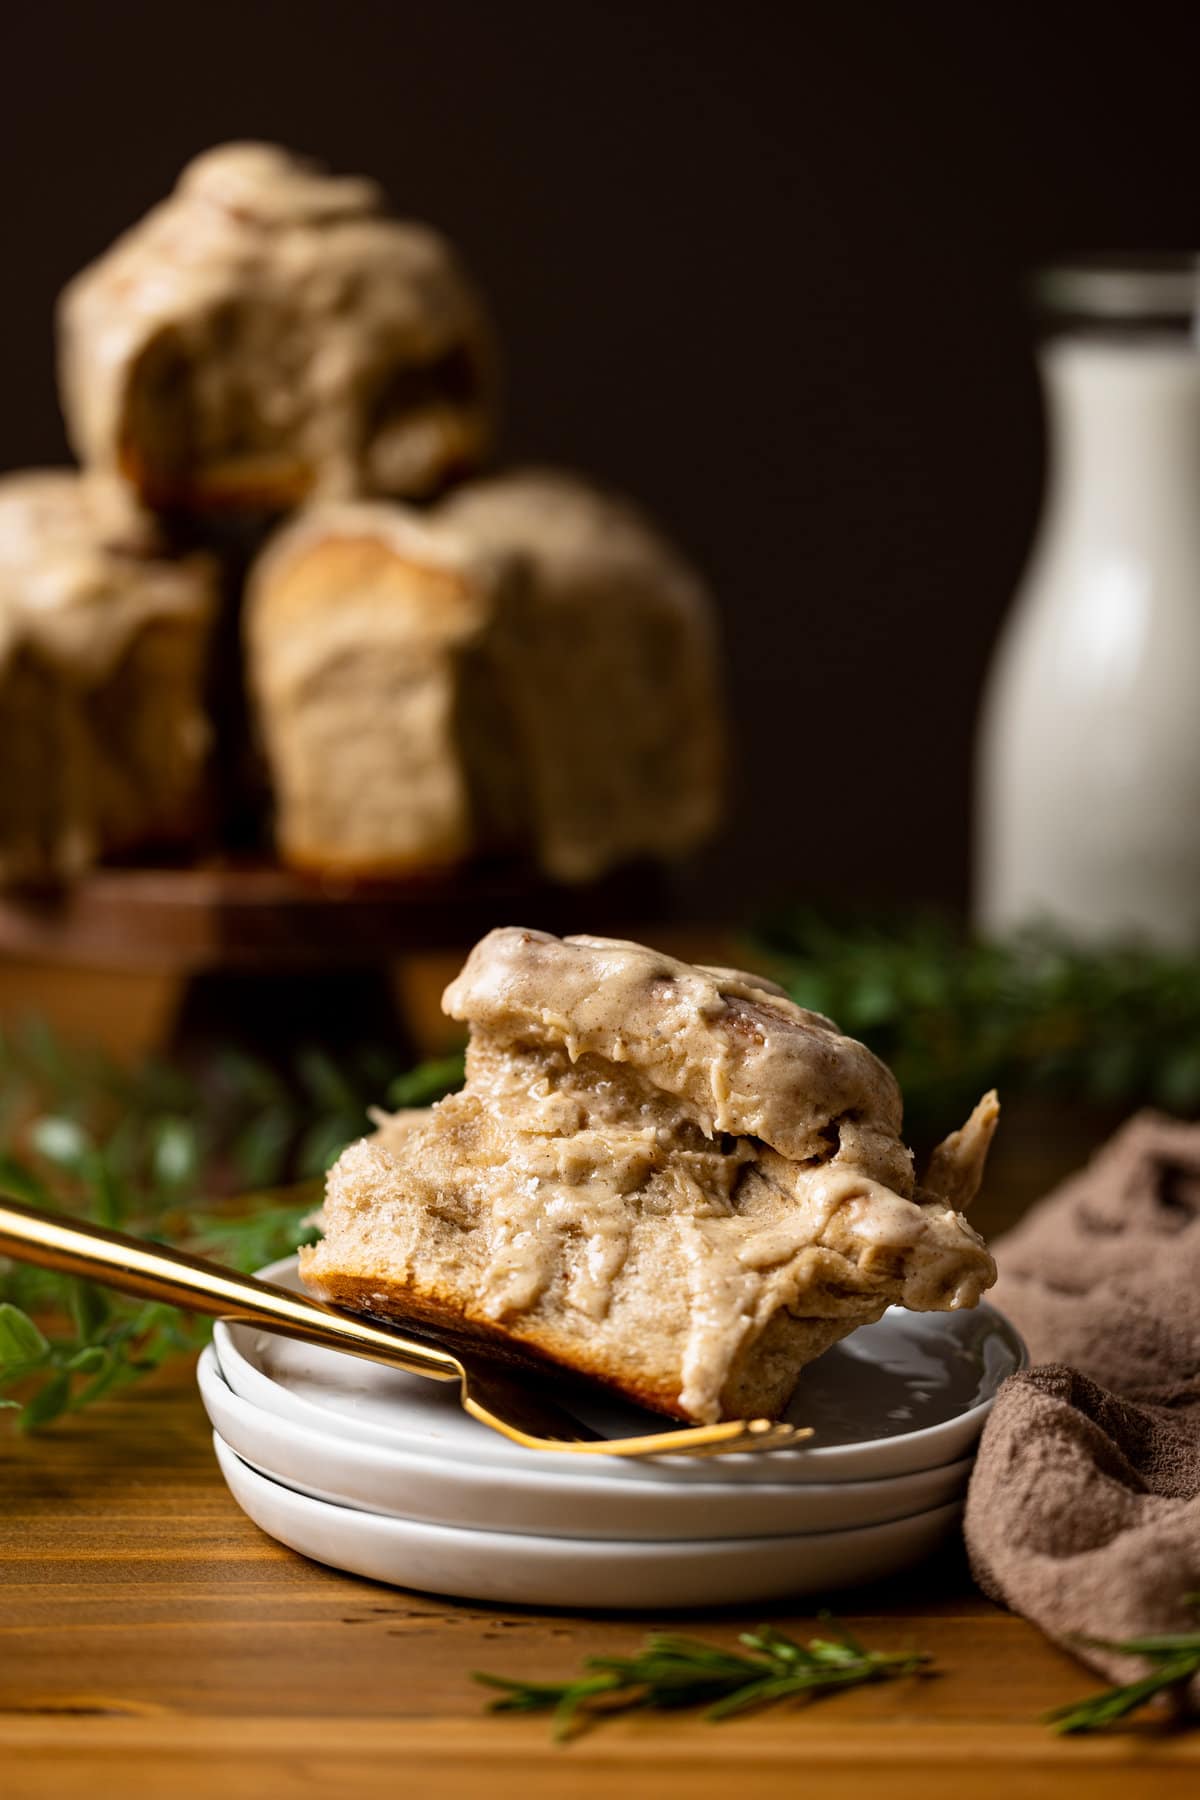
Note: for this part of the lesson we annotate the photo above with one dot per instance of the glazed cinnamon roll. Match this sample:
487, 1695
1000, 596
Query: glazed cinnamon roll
104, 733
528, 667
268, 334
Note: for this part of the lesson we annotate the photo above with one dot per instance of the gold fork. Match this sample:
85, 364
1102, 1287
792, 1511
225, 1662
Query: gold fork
494, 1395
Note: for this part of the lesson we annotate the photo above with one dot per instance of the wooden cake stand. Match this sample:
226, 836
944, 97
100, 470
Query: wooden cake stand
268, 957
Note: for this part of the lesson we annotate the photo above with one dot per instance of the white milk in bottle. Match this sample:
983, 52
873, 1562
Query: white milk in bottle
1088, 801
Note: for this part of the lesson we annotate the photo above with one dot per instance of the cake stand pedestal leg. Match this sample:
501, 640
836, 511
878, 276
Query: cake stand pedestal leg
276, 1013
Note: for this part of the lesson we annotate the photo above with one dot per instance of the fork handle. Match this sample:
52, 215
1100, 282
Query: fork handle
152, 1272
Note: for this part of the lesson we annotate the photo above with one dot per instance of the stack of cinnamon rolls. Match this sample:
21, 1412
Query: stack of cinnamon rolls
283, 404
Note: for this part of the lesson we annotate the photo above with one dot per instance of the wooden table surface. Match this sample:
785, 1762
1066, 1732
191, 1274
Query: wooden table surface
154, 1643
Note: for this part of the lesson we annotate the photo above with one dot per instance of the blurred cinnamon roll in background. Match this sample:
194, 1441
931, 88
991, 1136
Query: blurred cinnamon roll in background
529, 667
104, 732
273, 388
267, 333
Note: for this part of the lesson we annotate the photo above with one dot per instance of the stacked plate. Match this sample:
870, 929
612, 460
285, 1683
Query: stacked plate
382, 1474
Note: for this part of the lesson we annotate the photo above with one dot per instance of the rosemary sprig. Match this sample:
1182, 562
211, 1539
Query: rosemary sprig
678, 1672
1176, 1661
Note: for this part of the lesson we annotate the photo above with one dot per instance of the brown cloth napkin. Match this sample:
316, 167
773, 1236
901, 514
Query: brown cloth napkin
1084, 1507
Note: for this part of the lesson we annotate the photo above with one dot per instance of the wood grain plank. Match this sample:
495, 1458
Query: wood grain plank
282, 1758
153, 1640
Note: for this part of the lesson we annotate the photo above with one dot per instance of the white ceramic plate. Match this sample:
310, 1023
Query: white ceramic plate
909, 1393
585, 1573
452, 1491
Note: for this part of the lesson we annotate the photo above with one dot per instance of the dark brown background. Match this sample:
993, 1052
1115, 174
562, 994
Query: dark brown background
758, 264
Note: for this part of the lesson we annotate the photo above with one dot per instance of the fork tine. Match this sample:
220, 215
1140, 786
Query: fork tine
731, 1436
789, 1438
526, 1415
780, 1436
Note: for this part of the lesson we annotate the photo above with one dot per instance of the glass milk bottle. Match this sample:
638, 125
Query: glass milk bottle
1088, 801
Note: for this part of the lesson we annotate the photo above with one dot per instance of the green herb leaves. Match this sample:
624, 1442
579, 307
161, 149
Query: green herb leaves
680, 1672
427, 1082
1175, 1659
20, 1340
953, 1017
677, 1672
142, 1152
23, 1349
